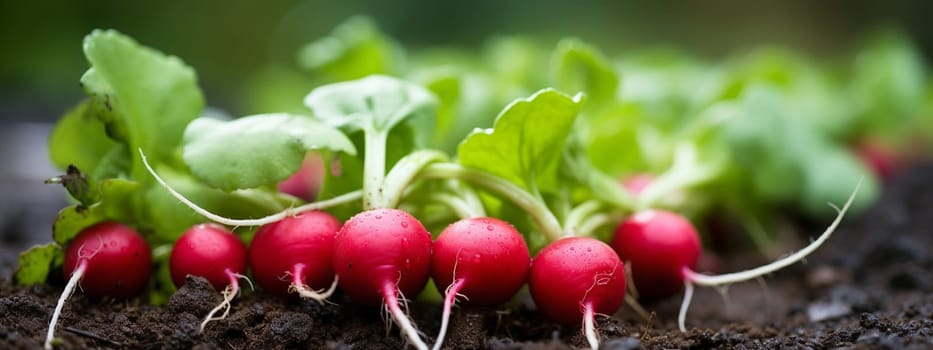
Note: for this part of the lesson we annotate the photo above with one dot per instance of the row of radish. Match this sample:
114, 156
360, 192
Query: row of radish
380, 256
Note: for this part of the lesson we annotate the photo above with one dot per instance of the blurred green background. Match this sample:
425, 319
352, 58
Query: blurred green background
228, 41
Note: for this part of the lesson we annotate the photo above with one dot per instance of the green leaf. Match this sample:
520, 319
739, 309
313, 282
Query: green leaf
580, 67
35, 263
256, 150
146, 98
79, 138
376, 103
526, 143
355, 49
71, 220
77, 185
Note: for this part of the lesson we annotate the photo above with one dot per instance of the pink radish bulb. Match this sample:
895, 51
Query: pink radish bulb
213, 252
658, 245
574, 275
483, 259
210, 251
382, 251
113, 259
108, 259
306, 182
487, 254
663, 249
636, 183
381, 255
295, 254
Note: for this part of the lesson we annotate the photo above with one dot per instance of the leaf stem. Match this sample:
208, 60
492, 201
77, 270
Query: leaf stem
374, 168
404, 173
533, 206
341, 199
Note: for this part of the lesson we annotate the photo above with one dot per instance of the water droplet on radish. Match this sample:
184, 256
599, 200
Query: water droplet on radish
404, 224
490, 228
378, 217
477, 258
407, 263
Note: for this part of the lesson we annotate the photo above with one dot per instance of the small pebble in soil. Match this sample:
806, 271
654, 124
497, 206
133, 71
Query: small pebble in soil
627, 343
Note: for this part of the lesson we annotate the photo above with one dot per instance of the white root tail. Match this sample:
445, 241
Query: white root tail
691, 277
401, 319
306, 292
69, 290
341, 199
589, 326
229, 293
450, 298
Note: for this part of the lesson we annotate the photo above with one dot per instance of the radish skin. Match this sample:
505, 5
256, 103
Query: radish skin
300, 247
108, 259
213, 252
483, 259
592, 280
663, 248
380, 255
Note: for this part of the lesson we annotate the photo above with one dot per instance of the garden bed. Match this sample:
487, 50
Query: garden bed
870, 286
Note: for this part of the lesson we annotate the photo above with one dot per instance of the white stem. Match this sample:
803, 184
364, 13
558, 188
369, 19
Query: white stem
374, 168
401, 319
341, 199
729, 278
589, 327
682, 315
532, 205
461, 207
450, 298
69, 290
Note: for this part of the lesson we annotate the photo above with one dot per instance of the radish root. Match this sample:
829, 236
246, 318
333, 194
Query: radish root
389, 294
450, 298
691, 277
589, 326
69, 290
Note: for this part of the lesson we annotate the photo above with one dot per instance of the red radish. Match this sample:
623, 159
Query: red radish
880, 159
483, 259
636, 183
380, 255
306, 182
638, 240
300, 247
213, 252
574, 278
108, 259
663, 247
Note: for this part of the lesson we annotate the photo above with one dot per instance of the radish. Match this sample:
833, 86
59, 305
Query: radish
381, 255
485, 260
636, 183
108, 259
641, 237
663, 248
306, 182
299, 247
213, 252
574, 278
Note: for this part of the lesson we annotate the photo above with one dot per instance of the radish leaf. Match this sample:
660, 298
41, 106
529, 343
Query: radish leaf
256, 150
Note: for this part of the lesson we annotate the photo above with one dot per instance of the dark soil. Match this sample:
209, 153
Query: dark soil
870, 287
